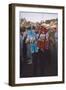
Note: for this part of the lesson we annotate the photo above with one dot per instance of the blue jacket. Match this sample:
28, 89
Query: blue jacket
33, 45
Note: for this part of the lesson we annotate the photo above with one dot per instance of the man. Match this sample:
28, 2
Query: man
22, 56
53, 43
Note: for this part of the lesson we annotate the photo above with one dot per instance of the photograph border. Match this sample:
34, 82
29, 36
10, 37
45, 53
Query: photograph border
12, 42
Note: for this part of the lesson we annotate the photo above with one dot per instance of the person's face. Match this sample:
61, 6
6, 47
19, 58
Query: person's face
54, 29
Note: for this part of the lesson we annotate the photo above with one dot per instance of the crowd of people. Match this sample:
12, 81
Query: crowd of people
38, 46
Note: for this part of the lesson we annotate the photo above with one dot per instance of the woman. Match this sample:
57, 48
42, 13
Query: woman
43, 44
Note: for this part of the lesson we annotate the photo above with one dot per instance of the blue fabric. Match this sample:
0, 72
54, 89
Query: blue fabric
33, 46
31, 33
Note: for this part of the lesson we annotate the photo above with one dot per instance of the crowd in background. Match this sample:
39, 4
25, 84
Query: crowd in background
38, 46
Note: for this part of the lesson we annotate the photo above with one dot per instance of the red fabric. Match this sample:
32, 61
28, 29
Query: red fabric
41, 44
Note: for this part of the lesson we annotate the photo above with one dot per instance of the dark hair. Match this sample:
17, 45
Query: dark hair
33, 27
22, 29
28, 28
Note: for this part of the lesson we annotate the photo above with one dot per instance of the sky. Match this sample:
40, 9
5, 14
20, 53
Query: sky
37, 17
